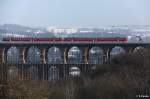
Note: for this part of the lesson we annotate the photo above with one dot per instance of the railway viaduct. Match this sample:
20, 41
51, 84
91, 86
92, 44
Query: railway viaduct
63, 69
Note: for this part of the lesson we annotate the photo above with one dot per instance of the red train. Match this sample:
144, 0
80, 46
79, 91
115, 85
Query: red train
16, 39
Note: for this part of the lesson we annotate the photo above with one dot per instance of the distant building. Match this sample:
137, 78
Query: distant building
62, 30
85, 30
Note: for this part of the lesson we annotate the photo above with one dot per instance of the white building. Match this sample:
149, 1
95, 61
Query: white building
62, 30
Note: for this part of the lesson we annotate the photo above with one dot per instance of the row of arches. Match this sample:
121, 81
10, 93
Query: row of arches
35, 73
55, 56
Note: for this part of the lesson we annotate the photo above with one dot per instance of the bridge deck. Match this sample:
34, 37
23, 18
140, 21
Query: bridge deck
72, 44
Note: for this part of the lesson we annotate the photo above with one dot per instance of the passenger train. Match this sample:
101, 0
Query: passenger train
27, 39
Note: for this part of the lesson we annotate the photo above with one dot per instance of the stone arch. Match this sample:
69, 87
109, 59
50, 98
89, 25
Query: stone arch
33, 73
33, 55
53, 73
115, 51
138, 48
95, 55
54, 55
12, 55
74, 55
74, 71
13, 73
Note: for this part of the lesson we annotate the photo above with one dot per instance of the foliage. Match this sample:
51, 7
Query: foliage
124, 77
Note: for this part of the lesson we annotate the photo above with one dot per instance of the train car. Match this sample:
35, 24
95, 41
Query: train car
67, 40
104, 39
58, 39
21, 39
123, 39
15, 39
110, 40
83, 39
43, 39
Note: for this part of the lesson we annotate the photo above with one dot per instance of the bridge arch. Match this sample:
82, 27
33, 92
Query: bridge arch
33, 73
138, 48
74, 71
53, 73
115, 51
95, 55
12, 55
13, 73
54, 55
33, 55
74, 55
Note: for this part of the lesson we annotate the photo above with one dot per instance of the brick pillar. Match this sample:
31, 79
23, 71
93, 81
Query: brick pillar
42, 55
107, 53
85, 53
2, 55
65, 54
129, 49
22, 56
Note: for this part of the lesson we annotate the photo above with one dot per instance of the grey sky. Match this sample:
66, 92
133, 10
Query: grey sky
67, 13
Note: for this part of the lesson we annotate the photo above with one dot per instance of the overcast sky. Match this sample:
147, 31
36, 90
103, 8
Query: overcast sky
77, 13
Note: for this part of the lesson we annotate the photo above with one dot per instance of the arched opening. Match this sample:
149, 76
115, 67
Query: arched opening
13, 73
138, 49
33, 73
12, 55
74, 71
116, 51
95, 56
53, 73
33, 55
74, 55
54, 55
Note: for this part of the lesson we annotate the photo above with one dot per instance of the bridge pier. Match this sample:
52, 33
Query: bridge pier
129, 50
22, 55
106, 54
109, 55
2, 55
65, 55
85, 54
42, 55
